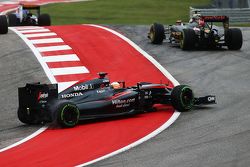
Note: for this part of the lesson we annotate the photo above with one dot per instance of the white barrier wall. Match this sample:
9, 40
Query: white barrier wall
241, 15
231, 3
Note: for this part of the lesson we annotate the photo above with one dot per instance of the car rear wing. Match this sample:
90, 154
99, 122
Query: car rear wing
35, 93
29, 6
223, 19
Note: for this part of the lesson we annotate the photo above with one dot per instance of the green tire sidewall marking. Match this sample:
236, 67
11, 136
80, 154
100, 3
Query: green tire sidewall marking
62, 113
182, 103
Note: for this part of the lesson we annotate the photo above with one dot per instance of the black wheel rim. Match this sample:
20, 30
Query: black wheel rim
187, 98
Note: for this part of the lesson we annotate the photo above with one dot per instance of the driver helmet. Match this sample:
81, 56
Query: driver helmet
115, 85
25, 12
195, 18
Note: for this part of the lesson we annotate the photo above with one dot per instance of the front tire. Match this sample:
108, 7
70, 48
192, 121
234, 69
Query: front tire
233, 38
3, 24
182, 98
156, 33
67, 114
44, 20
188, 39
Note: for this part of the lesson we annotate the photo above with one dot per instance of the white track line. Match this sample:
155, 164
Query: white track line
160, 129
47, 40
37, 54
34, 31
53, 48
60, 58
61, 86
142, 140
25, 139
40, 35
145, 54
69, 70
28, 28
67, 84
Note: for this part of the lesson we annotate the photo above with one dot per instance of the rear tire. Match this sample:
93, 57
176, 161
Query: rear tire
67, 114
3, 24
188, 39
233, 38
12, 20
156, 33
44, 20
182, 98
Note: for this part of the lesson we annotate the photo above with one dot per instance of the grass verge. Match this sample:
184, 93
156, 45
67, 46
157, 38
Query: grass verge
121, 12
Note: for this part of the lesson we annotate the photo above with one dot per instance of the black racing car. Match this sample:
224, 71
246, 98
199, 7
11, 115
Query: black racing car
41, 103
28, 14
200, 32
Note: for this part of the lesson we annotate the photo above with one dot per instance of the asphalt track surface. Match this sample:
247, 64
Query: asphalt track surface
18, 66
211, 136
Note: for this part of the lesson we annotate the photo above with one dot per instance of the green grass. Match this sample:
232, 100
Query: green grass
121, 11
240, 24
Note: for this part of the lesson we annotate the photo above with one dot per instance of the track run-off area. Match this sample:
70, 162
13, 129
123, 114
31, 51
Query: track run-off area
67, 57
69, 54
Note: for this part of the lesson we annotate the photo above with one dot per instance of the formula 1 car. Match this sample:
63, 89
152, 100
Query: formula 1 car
199, 32
3, 24
97, 98
24, 17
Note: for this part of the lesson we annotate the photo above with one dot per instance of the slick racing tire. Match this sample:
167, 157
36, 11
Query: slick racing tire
44, 20
12, 20
26, 116
188, 39
3, 24
156, 33
233, 38
182, 98
67, 114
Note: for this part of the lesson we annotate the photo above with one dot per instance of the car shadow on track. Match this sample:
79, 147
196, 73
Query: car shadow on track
203, 108
96, 120
115, 118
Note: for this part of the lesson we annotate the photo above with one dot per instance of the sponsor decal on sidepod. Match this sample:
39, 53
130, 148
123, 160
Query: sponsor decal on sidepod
72, 95
122, 103
83, 87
